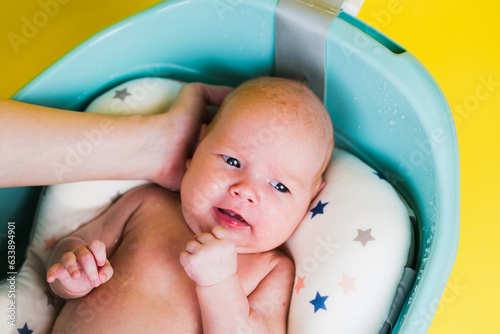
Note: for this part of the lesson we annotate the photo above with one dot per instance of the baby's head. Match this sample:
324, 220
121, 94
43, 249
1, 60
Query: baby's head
259, 163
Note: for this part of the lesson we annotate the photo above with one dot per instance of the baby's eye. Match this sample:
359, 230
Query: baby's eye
231, 161
280, 187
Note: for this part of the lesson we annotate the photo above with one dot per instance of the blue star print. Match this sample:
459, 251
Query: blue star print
318, 209
319, 302
25, 329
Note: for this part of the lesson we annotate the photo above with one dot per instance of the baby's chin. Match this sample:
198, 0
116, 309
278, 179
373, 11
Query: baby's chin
249, 247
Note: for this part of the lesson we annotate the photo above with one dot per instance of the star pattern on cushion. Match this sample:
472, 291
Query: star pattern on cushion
121, 94
318, 209
319, 302
300, 283
50, 243
364, 236
347, 284
25, 329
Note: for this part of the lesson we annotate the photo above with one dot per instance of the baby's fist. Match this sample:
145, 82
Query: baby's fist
210, 258
82, 269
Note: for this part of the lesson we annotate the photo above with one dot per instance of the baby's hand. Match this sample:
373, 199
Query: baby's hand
210, 258
82, 269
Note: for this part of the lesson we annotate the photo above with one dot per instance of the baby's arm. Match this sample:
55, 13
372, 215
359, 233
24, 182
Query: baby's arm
79, 261
211, 261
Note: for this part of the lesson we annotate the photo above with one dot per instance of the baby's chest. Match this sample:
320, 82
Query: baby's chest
152, 257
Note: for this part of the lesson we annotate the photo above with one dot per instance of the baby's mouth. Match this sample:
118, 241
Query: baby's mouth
232, 214
233, 217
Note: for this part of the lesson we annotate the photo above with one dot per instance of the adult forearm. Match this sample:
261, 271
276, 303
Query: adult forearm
47, 146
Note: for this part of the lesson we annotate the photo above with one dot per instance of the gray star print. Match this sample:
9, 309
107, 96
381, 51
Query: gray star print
364, 236
121, 94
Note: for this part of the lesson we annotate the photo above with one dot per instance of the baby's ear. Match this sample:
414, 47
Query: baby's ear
321, 186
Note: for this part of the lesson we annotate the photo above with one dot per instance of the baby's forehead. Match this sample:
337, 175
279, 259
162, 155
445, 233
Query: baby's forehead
273, 106
267, 102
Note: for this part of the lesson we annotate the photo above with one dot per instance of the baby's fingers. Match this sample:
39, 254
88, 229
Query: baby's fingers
98, 249
105, 272
68, 260
221, 233
88, 264
57, 271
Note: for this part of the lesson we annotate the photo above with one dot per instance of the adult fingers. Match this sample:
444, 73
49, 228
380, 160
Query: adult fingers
194, 96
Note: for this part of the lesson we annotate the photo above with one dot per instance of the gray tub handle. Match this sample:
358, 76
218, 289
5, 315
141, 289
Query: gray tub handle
300, 37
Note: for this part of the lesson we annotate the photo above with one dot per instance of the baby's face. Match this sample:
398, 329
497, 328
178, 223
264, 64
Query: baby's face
253, 173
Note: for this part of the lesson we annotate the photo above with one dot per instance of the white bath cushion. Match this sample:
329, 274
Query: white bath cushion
350, 252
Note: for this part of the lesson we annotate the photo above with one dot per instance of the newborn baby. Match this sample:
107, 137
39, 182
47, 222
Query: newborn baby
204, 260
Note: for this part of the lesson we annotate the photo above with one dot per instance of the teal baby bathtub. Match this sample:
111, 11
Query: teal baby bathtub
385, 107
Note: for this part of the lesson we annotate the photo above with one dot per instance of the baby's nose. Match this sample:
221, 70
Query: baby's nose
245, 192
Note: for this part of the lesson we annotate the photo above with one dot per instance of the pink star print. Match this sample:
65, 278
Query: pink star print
50, 243
300, 283
347, 284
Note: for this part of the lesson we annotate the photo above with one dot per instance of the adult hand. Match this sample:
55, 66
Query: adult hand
178, 132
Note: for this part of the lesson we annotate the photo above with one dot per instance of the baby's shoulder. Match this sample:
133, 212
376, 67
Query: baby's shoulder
267, 261
149, 203
279, 261
149, 196
271, 265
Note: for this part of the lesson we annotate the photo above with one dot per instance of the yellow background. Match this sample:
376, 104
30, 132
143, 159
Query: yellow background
456, 40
